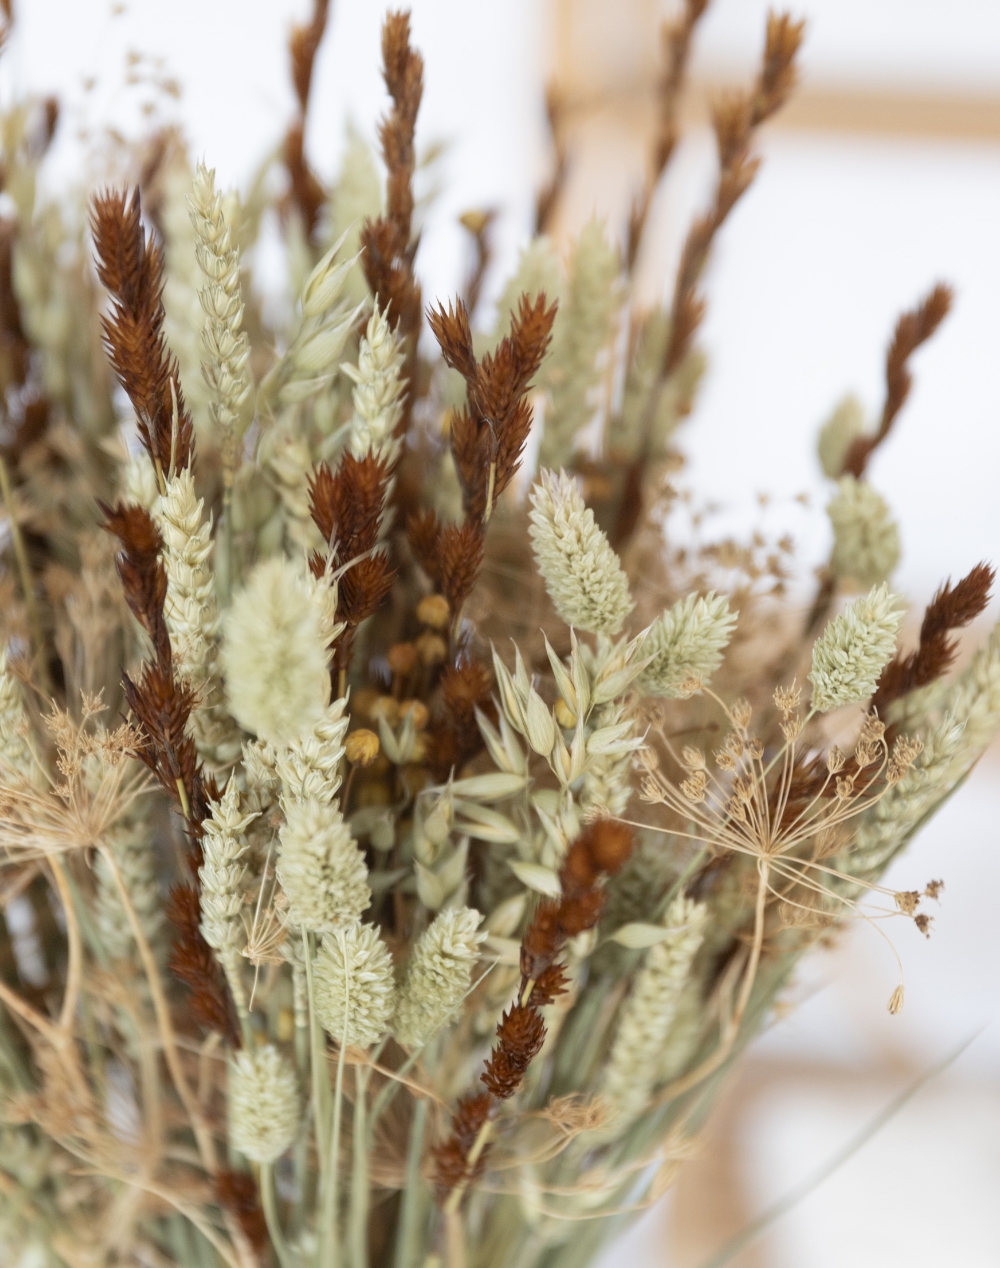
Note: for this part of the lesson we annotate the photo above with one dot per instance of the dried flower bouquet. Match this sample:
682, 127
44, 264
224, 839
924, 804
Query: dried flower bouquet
399, 846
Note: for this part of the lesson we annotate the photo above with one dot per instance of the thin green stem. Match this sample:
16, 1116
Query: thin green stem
270, 1205
358, 1227
382, 1101
329, 1242
411, 1209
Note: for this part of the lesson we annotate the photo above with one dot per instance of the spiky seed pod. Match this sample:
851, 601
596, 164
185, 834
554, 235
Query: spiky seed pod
15, 752
582, 573
854, 649
378, 389
686, 644
320, 867
355, 990
263, 1104
438, 975
274, 650
226, 347
865, 536
221, 874
309, 764
647, 1015
838, 434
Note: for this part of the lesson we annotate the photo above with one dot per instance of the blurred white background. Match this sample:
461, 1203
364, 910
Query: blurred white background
889, 182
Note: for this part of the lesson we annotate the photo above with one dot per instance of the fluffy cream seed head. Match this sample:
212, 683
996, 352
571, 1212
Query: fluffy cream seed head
838, 433
582, 573
438, 975
865, 536
320, 867
855, 647
275, 650
263, 1103
686, 644
355, 989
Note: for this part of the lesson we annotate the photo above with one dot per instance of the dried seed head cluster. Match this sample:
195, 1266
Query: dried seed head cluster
462, 829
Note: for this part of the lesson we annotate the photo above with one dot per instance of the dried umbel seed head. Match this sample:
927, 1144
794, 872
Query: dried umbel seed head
742, 713
787, 699
693, 758
433, 610
835, 760
361, 747
263, 1104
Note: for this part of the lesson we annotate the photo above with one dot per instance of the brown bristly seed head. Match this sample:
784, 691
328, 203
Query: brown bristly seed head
132, 270
951, 608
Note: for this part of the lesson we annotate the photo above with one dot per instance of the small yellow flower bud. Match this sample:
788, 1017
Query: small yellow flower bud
361, 747
418, 710
433, 610
403, 658
432, 648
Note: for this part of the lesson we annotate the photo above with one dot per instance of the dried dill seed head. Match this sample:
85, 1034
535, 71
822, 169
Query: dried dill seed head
274, 650
263, 1104
355, 990
854, 649
583, 575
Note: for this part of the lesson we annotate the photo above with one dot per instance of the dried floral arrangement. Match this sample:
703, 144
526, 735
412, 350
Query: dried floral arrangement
399, 846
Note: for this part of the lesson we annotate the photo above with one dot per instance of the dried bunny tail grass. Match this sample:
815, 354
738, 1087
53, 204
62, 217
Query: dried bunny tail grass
855, 647
226, 346
378, 390
320, 867
437, 975
275, 650
585, 329
263, 1104
647, 1015
865, 536
355, 989
582, 573
686, 645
